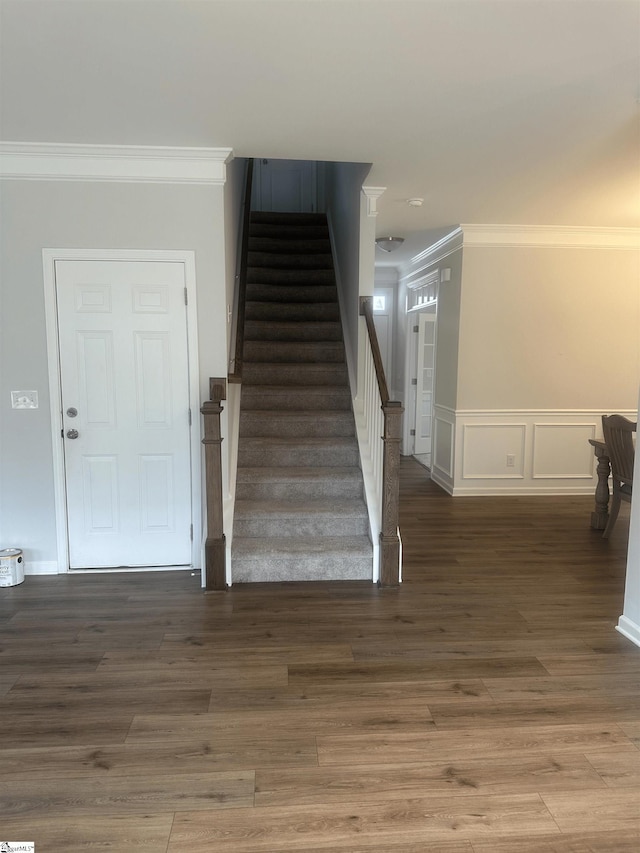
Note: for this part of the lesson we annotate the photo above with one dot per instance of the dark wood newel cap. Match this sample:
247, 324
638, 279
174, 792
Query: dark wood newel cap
217, 388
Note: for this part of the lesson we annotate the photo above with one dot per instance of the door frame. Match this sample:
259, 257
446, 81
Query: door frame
187, 259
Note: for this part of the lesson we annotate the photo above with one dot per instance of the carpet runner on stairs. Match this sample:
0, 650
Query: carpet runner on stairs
300, 512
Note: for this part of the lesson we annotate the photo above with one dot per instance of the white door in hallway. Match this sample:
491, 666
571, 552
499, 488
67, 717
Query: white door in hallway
425, 381
284, 186
125, 404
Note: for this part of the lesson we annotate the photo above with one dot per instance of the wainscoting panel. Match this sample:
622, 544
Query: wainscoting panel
493, 451
443, 447
562, 451
516, 452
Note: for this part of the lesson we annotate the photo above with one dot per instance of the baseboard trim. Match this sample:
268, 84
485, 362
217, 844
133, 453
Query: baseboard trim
525, 491
629, 629
40, 567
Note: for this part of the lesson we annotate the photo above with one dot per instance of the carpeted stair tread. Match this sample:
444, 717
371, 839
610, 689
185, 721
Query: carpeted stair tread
312, 245
290, 294
297, 398
293, 351
270, 451
320, 517
308, 558
296, 424
293, 278
285, 261
292, 311
268, 373
276, 218
298, 483
265, 330
273, 231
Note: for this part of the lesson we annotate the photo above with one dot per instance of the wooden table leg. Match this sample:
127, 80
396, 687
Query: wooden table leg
600, 516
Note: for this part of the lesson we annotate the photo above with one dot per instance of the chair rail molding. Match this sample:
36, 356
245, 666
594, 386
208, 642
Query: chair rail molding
42, 161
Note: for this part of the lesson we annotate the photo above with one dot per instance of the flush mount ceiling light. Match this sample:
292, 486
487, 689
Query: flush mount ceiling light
389, 244
415, 202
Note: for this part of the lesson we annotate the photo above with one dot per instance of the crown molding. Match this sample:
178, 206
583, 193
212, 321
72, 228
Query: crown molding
129, 163
553, 237
433, 254
372, 195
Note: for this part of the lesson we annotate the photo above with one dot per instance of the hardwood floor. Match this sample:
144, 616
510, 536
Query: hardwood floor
486, 706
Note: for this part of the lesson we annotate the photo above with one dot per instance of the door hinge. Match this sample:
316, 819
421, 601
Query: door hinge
416, 328
189, 417
191, 532
412, 432
414, 381
186, 297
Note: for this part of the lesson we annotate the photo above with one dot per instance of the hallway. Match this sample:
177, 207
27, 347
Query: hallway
486, 706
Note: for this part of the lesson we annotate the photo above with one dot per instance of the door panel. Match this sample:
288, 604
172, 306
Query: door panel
284, 186
425, 381
124, 368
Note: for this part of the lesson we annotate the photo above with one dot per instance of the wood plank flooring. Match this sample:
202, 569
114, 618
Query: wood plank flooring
486, 706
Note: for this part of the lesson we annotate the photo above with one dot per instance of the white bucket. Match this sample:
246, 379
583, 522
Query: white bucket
11, 567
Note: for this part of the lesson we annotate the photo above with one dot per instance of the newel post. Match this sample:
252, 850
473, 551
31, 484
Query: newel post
215, 572
389, 539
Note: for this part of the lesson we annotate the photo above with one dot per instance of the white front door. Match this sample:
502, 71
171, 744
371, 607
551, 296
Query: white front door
425, 381
125, 408
284, 186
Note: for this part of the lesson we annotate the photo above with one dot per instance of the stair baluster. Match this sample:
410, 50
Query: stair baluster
385, 454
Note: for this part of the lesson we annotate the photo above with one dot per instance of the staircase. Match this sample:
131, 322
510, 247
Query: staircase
300, 514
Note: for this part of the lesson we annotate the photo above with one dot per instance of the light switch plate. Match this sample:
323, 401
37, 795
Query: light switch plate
24, 399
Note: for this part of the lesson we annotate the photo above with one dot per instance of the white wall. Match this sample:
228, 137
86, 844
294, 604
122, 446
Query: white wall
535, 341
343, 196
66, 214
549, 328
629, 622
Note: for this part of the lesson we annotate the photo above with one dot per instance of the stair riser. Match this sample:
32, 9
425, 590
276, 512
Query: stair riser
289, 232
257, 330
298, 399
301, 490
318, 425
283, 261
283, 570
295, 526
269, 217
274, 293
318, 457
293, 278
292, 246
292, 311
254, 373
314, 352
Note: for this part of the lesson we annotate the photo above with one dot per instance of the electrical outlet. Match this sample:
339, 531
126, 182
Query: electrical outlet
24, 399
511, 460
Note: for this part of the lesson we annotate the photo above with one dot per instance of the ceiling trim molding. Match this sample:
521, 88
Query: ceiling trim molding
129, 163
553, 237
433, 254
372, 195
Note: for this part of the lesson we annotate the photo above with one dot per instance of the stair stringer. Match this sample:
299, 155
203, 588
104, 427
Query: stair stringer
363, 427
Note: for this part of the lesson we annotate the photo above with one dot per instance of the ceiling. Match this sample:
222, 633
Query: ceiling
494, 111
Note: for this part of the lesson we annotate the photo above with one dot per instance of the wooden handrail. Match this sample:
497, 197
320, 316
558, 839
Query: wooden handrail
392, 412
215, 544
236, 374
366, 311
